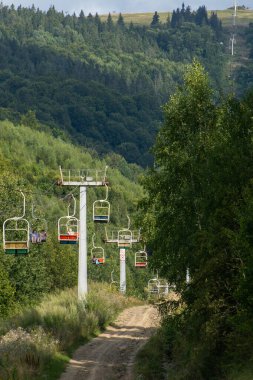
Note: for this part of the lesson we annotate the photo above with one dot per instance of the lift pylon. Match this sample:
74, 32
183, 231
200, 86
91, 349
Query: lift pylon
83, 178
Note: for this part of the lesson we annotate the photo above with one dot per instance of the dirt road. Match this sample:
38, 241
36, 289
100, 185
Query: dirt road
111, 355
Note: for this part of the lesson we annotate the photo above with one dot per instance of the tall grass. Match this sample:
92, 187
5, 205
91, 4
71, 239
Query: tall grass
57, 325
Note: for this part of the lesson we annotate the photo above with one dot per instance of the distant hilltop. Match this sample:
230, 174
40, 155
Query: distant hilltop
240, 7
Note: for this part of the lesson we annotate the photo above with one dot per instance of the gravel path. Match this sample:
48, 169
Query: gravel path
111, 355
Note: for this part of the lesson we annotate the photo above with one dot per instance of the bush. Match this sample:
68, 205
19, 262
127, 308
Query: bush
25, 352
61, 322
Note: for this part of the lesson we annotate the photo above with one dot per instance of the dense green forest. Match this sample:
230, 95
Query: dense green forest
80, 92
101, 84
198, 217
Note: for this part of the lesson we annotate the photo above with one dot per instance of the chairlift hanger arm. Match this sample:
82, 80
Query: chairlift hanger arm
106, 194
93, 243
74, 210
23, 195
129, 222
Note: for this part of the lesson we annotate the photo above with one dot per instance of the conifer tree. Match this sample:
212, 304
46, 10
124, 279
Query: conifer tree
109, 22
120, 21
168, 21
155, 21
174, 19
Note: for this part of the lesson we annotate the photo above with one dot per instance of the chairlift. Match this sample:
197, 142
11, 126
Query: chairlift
125, 236
38, 233
97, 254
141, 258
163, 287
68, 227
101, 209
16, 234
153, 286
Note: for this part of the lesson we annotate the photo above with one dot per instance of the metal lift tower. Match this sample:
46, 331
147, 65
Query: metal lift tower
232, 39
83, 178
124, 238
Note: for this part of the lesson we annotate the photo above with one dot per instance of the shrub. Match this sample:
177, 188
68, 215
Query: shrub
23, 353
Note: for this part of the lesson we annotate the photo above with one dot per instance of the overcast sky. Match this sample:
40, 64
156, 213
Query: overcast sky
124, 6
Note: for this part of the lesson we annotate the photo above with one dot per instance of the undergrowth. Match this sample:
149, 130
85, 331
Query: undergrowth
37, 343
149, 363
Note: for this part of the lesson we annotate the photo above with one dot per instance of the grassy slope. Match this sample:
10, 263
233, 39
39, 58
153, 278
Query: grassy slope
243, 17
51, 331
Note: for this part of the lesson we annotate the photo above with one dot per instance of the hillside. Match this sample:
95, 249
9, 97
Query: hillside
29, 161
243, 17
100, 84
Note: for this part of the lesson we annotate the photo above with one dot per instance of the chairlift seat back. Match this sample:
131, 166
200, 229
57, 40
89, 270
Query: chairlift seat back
125, 239
101, 211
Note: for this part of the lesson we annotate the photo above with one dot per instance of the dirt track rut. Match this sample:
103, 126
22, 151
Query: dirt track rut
111, 355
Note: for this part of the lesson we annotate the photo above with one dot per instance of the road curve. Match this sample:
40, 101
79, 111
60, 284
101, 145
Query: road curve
111, 355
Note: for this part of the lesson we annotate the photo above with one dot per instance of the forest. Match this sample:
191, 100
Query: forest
198, 217
168, 109
101, 84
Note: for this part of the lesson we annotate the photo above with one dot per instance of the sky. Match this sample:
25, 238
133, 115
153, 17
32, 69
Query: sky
124, 6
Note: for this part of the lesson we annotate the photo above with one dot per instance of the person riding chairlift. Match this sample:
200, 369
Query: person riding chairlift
95, 260
34, 237
43, 236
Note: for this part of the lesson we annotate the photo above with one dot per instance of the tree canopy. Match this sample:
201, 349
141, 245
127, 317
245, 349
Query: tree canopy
194, 212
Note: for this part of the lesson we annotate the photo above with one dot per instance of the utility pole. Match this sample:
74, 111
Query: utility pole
232, 39
83, 178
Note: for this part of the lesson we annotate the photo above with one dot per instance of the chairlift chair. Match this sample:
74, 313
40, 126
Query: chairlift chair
102, 209
163, 287
68, 230
141, 259
97, 253
153, 286
68, 227
16, 234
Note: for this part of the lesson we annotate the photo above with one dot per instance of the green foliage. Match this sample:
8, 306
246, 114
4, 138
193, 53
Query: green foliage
7, 292
29, 160
243, 73
99, 83
196, 219
149, 362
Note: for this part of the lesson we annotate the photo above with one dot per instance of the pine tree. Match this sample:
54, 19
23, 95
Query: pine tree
109, 22
155, 21
188, 14
174, 19
81, 15
120, 21
201, 17
168, 21
90, 17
